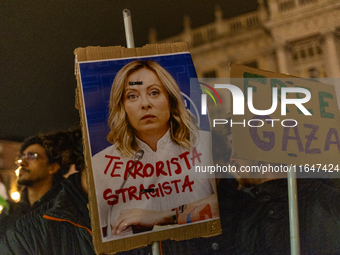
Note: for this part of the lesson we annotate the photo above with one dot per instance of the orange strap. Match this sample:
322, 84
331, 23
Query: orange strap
160, 247
57, 219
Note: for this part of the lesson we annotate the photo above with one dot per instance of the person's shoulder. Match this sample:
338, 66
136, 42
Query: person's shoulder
33, 217
26, 231
28, 234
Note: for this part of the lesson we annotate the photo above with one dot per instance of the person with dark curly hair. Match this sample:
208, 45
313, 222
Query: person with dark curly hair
62, 225
40, 173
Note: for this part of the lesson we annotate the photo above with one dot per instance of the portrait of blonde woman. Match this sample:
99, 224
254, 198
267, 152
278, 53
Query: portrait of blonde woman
144, 178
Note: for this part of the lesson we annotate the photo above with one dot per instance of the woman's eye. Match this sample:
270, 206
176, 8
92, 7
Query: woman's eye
132, 96
154, 93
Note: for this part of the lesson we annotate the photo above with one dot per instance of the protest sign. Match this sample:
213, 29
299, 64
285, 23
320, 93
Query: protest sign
288, 135
134, 110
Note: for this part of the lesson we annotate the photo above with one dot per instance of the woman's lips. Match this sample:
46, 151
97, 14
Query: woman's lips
148, 116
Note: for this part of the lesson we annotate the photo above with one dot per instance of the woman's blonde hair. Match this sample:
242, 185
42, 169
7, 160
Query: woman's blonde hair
122, 133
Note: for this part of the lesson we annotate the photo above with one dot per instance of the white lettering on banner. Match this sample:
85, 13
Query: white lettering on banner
238, 100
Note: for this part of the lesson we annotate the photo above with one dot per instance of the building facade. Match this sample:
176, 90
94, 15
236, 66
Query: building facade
295, 37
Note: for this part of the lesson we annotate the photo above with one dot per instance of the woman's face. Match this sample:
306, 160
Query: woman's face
147, 105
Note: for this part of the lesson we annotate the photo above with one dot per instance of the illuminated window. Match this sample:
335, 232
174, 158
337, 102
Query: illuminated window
306, 51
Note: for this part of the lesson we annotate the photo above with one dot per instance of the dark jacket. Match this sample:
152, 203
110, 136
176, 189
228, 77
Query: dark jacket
64, 228
17, 210
61, 226
255, 223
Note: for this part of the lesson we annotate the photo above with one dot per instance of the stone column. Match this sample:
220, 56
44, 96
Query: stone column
273, 8
296, 3
281, 58
331, 56
218, 19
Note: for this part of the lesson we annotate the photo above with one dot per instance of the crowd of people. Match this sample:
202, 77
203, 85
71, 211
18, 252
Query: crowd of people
55, 219
52, 216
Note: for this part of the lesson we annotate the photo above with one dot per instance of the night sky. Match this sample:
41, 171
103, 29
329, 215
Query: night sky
37, 40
